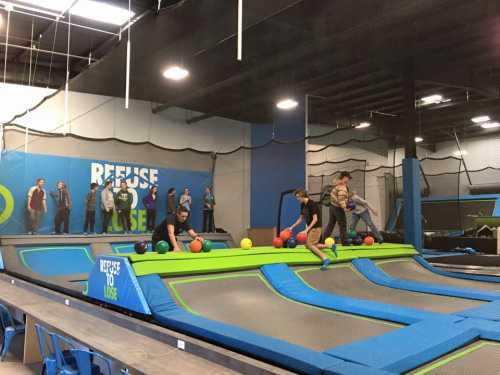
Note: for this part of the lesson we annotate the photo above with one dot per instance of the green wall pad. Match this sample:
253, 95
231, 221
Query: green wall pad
177, 264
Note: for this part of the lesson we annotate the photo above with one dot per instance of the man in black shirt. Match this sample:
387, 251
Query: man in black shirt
173, 225
309, 212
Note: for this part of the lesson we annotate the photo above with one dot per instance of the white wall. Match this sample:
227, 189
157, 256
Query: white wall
105, 117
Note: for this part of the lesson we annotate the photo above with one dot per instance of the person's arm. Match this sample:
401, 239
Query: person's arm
173, 239
342, 197
44, 201
130, 199
194, 235
357, 199
313, 222
299, 220
70, 204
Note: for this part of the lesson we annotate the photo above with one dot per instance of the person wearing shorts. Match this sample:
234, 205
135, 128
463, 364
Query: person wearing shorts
309, 212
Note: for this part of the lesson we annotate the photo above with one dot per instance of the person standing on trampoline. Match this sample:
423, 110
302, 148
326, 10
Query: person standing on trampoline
309, 212
123, 204
362, 211
172, 226
37, 205
107, 205
339, 197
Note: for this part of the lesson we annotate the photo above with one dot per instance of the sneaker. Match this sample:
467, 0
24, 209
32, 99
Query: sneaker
334, 249
325, 264
84, 233
30, 233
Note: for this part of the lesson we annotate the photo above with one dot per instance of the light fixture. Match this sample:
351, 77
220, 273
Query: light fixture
8, 6
57, 5
433, 99
363, 125
418, 139
480, 119
287, 104
490, 125
460, 153
175, 73
101, 12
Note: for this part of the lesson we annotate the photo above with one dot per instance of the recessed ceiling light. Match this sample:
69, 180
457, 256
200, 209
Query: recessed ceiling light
363, 125
433, 99
480, 119
287, 104
490, 125
460, 153
418, 139
101, 12
175, 73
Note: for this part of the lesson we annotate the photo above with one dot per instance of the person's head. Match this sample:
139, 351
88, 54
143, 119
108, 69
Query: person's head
208, 189
344, 177
61, 185
93, 186
153, 190
301, 195
123, 185
186, 191
182, 214
171, 191
108, 185
40, 182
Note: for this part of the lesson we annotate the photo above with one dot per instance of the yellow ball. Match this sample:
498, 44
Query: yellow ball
329, 242
246, 243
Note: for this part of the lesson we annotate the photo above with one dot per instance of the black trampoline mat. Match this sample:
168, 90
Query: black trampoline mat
346, 281
469, 260
480, 358
409, 269
247, 302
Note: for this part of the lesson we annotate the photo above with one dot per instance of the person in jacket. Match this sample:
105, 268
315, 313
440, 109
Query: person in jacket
362, 209
123, 205
186, 200
171, 201
107, 205
36, 206
208, 210
149, 202
90, 206
339, 198
62, 200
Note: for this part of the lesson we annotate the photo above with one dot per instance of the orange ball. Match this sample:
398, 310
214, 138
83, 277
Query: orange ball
302, 237
286, 234
278, 243
369, 240
195, 246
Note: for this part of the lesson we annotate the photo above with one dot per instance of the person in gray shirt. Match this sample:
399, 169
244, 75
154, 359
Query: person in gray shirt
107, 205
362, 211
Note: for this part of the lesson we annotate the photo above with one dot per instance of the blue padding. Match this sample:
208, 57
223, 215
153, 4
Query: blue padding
376, 275
407, 348
487, 330
288, 284
488, 311
459, 275
294, 357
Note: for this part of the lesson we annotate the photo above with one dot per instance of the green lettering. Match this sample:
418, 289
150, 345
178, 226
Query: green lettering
110, 293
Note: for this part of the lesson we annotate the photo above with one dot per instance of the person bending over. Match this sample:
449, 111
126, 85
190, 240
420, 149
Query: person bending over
362, 211
339, 197
172, 226
309, 212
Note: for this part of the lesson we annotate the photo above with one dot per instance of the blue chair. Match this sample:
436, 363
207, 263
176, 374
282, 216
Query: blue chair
49, 365
10, 329
84, 359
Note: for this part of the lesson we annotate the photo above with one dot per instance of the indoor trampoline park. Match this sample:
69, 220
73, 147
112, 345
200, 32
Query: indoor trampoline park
249, 187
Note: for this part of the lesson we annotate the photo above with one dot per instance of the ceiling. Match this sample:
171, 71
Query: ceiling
348, 56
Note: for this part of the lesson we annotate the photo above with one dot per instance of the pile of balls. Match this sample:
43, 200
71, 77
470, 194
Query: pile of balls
353, 238
287, 240
195, 246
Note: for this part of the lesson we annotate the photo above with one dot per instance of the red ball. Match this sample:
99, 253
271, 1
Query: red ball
195, 246
286, 234
278, 243
369, 240
302, 237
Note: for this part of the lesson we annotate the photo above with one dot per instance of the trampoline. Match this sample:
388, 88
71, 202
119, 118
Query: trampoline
345, 280
246, 300
408, 268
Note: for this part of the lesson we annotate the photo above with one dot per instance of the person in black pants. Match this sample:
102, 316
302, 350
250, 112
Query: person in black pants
123, 205
107, 205
90, 205
63, 207
150, 204
339, 198
208, 210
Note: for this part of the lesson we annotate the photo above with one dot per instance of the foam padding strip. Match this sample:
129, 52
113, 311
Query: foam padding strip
294, 357
488, 311
377, 276
457, 275
487, 330
288, 284
407, 348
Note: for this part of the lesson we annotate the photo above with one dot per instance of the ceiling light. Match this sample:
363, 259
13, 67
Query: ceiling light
101, 12
490, 125
363, 125
287, 104
8, 7
57, 5
418, 139
175, 73
433, 99
480, 119
460, 153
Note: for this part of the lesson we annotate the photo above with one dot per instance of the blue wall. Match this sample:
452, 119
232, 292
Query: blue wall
276, 168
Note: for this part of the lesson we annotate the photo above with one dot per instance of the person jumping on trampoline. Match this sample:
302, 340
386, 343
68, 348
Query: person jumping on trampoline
309, 212
362, 211
172, 226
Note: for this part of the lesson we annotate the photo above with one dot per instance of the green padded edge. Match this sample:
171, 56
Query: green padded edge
178, 264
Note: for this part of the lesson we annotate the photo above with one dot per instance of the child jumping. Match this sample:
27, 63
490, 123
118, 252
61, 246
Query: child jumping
362, 211
309, 212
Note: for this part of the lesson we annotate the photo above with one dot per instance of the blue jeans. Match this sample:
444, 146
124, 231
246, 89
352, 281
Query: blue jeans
366, 217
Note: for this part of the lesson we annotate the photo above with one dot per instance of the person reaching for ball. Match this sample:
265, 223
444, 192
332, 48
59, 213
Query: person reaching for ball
361, 210
309, 212
172, 226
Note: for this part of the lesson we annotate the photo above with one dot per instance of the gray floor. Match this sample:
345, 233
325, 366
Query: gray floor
411, 270
483, 361
345, 280
248, 303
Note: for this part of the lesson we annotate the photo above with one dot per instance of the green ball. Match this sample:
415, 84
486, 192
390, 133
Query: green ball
162, 247
352, 233
207, 246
